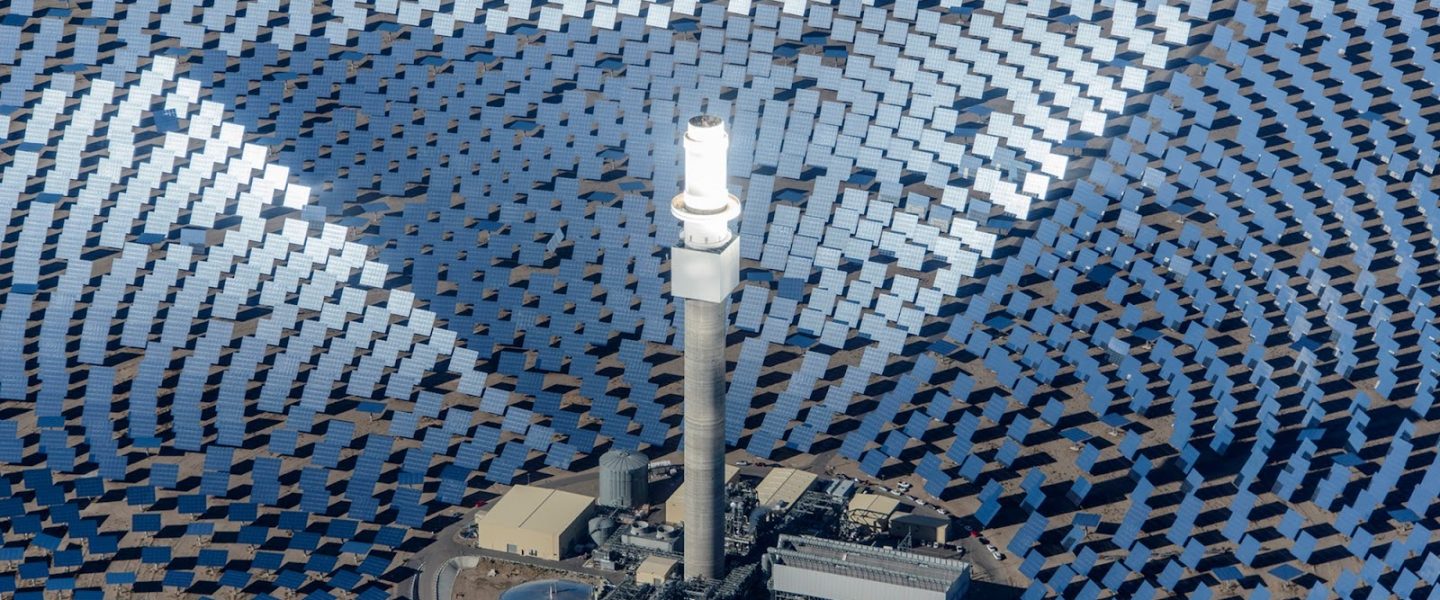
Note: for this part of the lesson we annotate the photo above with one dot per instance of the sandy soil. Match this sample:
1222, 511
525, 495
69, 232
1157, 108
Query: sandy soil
478, 584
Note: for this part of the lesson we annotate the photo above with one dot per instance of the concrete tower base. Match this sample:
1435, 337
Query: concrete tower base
705, 325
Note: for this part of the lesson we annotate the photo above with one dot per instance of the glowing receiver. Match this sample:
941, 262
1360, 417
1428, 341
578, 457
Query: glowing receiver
706, 264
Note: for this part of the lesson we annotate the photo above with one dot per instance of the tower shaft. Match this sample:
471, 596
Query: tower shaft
705, 325
704, 269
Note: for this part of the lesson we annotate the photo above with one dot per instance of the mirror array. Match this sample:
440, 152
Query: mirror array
268, 290
1221, 306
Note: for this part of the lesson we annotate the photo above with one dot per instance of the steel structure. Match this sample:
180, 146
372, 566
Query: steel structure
820, 568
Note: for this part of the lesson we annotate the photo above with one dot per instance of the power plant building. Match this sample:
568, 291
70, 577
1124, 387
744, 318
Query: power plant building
873, 510
675, 505
660, 538
624, 479
533, 521
807, 567
655, 569
921, 528
782, 488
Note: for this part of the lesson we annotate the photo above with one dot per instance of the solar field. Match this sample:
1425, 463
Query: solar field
1146, 289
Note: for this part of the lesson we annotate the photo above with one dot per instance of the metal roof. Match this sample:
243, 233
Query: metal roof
869, 562
919, 520
655, 566
876, 503
784, 485
538, 509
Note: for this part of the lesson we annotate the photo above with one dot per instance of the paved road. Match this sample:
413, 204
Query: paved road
990, 569
446, 574
436, 572
429, 561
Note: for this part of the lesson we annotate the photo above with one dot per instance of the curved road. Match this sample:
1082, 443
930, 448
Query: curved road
446, 574
437, 564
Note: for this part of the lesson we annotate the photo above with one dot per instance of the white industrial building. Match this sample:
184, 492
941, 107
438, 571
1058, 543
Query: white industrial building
808, 567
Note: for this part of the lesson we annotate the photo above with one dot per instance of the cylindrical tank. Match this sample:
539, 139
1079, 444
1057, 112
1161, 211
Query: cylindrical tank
600, 529
624, 479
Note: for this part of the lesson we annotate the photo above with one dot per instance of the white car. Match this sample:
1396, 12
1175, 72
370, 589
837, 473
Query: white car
995, 552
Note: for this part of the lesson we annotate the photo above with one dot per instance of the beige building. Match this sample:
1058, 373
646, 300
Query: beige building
655, 570
922, 528
873, 510
783, 487
675, 505
535, 522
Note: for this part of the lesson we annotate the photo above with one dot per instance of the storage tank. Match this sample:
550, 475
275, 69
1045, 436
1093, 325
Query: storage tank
600, 529
550, 589
624, 479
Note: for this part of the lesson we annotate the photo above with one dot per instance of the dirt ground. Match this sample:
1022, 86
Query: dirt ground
478, 584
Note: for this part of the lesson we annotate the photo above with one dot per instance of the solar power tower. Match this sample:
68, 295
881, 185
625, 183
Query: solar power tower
704, 269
